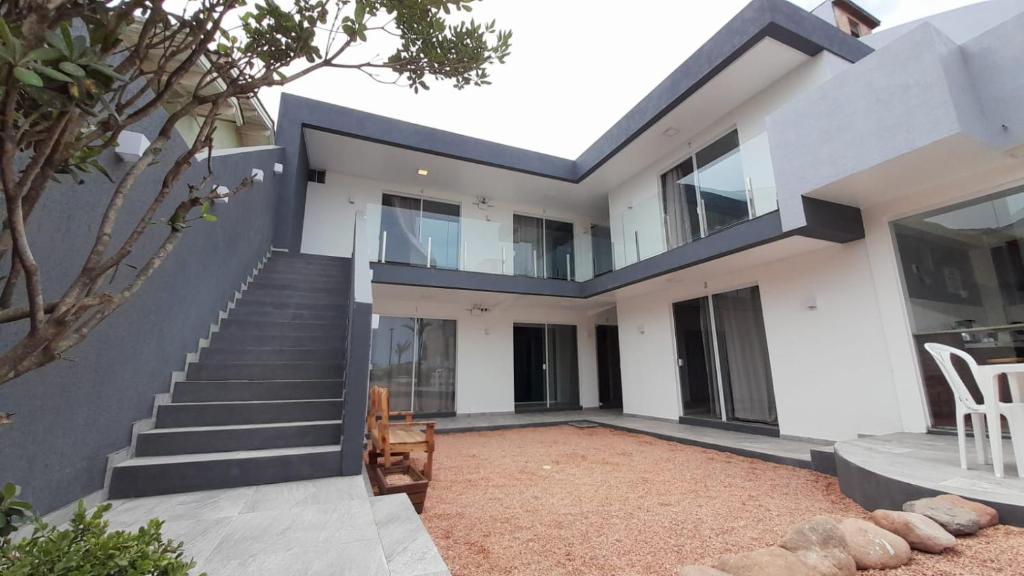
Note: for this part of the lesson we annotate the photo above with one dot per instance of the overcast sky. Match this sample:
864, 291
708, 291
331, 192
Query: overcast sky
576, 67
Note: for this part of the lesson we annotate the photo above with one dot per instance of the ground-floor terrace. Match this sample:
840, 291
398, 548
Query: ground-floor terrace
582, 492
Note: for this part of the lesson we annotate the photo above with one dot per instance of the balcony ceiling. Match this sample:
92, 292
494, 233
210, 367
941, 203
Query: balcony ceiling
758, 67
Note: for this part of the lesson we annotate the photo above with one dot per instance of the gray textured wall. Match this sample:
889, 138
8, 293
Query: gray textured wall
71, 414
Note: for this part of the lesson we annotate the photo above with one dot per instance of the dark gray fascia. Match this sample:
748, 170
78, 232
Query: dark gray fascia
776, 19
826, 221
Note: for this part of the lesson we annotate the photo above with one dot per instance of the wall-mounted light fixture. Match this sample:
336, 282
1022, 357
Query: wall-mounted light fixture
222, 195
423, 171
670, 131
257, 175
278, 168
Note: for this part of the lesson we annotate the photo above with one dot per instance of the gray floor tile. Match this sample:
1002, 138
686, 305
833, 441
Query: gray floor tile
326, 491
408, 548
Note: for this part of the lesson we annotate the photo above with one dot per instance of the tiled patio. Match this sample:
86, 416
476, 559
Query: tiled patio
316, 527
794, 452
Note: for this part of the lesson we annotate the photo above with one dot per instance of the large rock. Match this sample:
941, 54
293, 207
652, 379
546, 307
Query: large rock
765, 562
957, 520
700, 571
921, 532
987, 515
874, 548
820, 544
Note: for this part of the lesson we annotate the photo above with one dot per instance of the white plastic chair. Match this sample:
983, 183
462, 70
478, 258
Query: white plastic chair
990, 410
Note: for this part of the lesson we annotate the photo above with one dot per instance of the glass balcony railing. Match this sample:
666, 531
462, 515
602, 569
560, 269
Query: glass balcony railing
723, 184
441, 237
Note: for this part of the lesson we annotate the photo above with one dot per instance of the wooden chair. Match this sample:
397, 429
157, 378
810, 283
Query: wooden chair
389, 440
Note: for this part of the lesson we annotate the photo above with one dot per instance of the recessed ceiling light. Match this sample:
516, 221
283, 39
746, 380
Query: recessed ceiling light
670, 132
423, 171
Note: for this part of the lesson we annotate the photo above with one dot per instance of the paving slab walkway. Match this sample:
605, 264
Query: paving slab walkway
326, 527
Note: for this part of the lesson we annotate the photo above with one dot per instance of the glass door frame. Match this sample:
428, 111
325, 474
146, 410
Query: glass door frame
543, 263
719, 383
414, 376
701, 210
383, 234
546, 367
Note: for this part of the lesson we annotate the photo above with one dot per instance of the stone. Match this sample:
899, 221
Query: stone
955, 519
766, 562
874, 548
834, 562
921, 532
820, 544
700, 571
987, 515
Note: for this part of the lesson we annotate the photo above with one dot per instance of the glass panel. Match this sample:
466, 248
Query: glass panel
601, 248
723, 190
679, 204
743, 356
528, 238
643, 232
392, 356
400, 230
757, 166
963, 276
435, 367
563, 366
439, 232
695, 359
559, 249
528, 363
483, 248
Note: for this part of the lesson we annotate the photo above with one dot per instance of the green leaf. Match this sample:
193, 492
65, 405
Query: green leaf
209, 217
28, 77
106, 70
72, 69
10, 490
52, 74
44, 54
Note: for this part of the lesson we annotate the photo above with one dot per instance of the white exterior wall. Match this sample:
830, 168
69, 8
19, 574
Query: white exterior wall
830, 365
484, 355
639, 197
330, 209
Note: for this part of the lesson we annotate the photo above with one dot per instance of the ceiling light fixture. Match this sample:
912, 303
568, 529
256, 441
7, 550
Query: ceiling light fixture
670, 132
423, 171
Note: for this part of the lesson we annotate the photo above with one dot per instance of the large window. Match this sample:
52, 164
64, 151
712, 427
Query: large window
706, 192
419, 232
415, 359
963, 278
543, 248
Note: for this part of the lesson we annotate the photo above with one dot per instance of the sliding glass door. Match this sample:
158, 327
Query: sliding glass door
543, 248
419, 232
545, 366
722, 358
414, 358
705, 192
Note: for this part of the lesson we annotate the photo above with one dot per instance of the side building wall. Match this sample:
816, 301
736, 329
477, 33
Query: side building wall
71, 414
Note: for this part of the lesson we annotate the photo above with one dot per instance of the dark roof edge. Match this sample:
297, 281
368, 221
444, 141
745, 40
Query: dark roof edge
760, 19
860, 11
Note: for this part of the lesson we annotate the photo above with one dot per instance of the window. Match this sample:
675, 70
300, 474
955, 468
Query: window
419, 232
854, 28
706, 192
963, 279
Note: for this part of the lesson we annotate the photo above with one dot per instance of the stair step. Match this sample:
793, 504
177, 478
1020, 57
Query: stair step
264, 313
250, 326
318, 273
309, 258
203, 439
155, 475
275, 277
215, 354
193, 391
187, 415
276, 341
300, 286
208, 370
253, 303
257, 292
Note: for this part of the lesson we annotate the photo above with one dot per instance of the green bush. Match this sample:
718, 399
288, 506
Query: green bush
13, 512
86, 548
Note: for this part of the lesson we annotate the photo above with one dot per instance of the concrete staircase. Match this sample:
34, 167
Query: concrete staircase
264, 402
